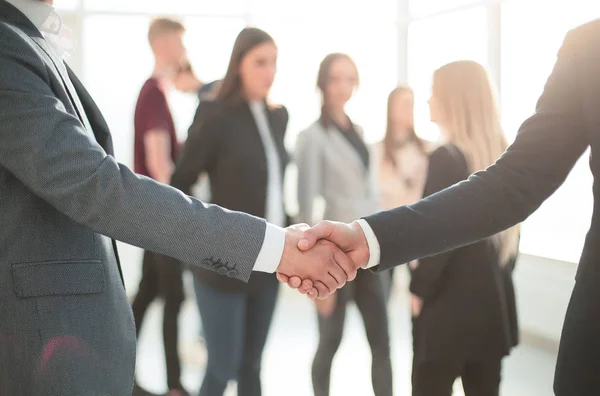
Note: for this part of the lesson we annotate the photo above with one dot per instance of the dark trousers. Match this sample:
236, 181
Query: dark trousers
579, 352
161, 276
236, 326
387, 279
368, 293
437, 378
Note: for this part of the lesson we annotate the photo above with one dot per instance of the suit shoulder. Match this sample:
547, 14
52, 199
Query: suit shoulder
20, 56
448, 157
214, 110
313, 132
582, 36
209, 107
588, 28
13, 38
279, 111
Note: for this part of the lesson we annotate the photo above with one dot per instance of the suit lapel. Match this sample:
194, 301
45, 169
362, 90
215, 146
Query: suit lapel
61, 68
92, 113
101, 131
345, 151
277, 128
13, 15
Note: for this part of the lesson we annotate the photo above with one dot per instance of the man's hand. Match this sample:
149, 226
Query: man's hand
348, 237
318, 271
185, 79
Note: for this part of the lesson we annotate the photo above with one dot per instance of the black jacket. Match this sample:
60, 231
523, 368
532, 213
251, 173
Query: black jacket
566, 122
467, 314
224, 141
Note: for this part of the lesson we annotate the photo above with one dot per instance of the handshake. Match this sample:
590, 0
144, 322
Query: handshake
317, 261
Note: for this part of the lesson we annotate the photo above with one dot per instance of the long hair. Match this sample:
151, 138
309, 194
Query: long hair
389, 146
231, 89
323, 79
471, 121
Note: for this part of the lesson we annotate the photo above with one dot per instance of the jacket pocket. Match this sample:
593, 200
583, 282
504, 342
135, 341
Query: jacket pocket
58, 278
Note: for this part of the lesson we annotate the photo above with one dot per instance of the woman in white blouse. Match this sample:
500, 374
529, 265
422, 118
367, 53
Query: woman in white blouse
399, 161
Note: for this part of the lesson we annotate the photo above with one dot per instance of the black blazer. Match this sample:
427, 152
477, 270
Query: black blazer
565, 123
224, 141
465, 315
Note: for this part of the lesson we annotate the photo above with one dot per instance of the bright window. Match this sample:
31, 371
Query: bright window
558, 228
211, 7
420, 8
433, 42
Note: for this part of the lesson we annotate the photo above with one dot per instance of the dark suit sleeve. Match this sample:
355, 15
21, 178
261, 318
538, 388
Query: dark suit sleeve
546, 149
447, 167
201, 148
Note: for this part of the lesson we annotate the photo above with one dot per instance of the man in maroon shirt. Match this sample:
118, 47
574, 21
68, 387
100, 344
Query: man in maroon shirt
155, 150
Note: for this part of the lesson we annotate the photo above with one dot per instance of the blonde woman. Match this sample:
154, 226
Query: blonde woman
464, 321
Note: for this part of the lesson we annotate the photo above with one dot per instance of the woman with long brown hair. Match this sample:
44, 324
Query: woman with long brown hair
333, 164
464, 321
239, 143
399, 161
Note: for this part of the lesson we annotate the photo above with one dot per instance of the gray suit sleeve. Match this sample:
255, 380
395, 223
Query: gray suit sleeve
48, 150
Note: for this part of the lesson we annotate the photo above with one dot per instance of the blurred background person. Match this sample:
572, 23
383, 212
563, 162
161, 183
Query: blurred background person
240, 145
155, 151
464, 313
333, 164
399, 161
185, 79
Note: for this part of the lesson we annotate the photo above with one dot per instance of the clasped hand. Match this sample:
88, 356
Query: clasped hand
317, 261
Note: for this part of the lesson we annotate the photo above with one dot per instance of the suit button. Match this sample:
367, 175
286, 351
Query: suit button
232, 273
222, 271
207, 263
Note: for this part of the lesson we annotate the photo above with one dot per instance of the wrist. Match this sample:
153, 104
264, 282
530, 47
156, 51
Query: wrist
361, 244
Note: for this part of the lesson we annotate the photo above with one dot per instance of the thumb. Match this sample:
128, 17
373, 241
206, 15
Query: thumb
311, 236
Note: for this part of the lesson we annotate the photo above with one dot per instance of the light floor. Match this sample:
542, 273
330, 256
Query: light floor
292, 342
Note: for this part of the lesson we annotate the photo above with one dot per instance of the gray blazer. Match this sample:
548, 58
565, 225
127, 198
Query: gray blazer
331, 169
66, 327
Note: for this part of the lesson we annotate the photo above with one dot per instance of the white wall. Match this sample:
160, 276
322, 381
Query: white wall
543, 288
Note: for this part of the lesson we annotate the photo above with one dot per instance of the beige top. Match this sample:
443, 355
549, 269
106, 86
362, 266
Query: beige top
401, 185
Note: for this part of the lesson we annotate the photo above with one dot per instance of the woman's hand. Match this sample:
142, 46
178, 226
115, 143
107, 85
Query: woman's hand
416, 305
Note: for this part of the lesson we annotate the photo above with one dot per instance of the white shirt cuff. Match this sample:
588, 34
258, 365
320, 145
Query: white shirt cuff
374, 248
270, 254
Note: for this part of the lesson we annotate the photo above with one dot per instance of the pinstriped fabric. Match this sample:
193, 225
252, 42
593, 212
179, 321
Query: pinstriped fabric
66, 326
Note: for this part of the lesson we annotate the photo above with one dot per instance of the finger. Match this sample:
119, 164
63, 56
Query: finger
346, 264
306, 286
337, 273
330, 282
313, 293
294, 282
282, 278
322, 289
312, 235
